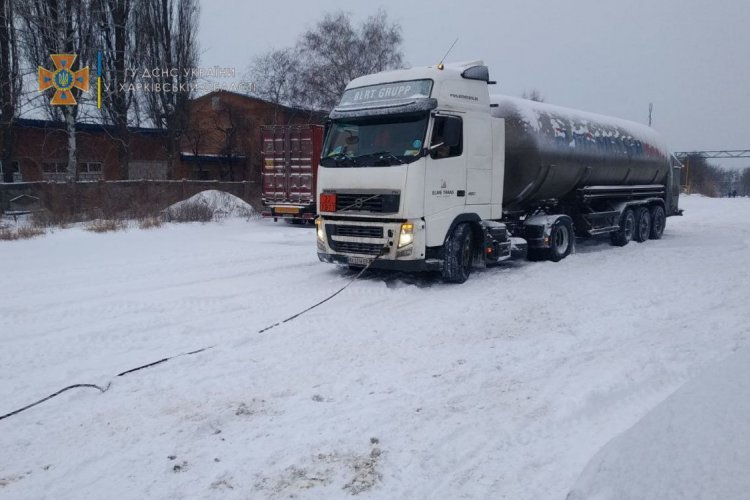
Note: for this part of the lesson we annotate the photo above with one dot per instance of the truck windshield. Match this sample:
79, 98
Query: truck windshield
375, 141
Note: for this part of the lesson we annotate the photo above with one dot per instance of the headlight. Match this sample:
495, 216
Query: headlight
319, 228
407, 235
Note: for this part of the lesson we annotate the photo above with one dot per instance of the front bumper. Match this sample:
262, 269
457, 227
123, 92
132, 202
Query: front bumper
359, 242
409, 266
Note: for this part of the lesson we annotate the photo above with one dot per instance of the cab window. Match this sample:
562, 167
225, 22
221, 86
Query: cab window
447, 135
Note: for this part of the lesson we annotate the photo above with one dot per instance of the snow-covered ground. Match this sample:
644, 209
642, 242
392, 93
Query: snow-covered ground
696, 444
399, 387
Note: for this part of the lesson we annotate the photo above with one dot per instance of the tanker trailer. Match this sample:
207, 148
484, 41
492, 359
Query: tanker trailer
422, 170
609, 175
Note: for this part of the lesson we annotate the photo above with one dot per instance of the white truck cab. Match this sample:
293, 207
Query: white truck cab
409, 155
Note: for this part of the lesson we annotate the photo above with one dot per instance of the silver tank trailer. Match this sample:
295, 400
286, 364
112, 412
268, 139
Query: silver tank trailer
551, 151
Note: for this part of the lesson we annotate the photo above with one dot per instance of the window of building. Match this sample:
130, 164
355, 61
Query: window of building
52, 167
54, 170
90, 171
14, 168
201, 173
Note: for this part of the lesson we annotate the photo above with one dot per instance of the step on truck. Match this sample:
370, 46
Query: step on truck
290, 155
423, 169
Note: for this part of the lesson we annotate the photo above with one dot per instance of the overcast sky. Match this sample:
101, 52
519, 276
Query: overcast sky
690, 58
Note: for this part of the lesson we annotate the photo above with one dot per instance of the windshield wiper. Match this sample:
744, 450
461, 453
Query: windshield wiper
341, 156
383, 155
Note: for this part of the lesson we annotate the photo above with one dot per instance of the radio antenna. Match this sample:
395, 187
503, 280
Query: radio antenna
440, 64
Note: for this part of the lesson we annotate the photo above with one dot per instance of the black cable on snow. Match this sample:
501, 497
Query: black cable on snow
294, 316
74, 386
149, 365
94, 386
154, 363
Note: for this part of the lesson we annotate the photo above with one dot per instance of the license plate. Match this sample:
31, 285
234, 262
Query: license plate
286, 210
359, 261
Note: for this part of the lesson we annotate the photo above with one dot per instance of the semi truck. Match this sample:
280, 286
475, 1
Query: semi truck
290, 155
424, 169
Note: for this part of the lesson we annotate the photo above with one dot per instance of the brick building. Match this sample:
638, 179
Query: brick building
223, 139
221, 142
40, 152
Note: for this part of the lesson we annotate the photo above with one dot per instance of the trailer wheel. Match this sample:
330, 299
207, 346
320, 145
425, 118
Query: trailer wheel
560, 240
642, 224
622, 236
658, 222
458, 254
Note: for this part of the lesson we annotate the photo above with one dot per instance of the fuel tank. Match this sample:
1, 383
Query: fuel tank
551, 151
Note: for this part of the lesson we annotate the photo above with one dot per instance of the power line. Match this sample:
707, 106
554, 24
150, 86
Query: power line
724, 153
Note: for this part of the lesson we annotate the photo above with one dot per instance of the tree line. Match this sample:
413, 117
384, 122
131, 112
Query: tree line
125, 34
700, 177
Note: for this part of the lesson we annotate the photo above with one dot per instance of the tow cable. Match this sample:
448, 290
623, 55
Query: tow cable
383, 251
104, 389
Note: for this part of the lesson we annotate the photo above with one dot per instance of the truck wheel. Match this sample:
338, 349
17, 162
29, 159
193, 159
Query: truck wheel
658, 222
458, 255
622, 236
642, 224
560, 240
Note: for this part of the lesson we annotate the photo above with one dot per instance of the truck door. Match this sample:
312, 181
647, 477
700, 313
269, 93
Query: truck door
275, 164
445, 177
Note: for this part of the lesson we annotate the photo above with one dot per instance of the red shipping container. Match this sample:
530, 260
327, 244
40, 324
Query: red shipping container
290, 167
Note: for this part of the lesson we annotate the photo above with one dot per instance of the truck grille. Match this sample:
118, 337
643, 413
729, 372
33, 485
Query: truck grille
354, 231
367, 202
353, 247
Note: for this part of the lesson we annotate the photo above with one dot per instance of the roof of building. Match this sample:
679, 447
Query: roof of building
288, 109
83, 126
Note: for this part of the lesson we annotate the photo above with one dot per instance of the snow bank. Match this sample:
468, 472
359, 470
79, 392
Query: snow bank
696, 444
221, 203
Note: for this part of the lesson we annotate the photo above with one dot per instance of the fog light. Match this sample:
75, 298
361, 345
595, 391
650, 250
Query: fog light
407, 235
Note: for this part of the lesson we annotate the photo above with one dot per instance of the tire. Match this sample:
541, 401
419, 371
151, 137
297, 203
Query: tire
561, 240
658, 222
642, 224
458, 254
622, 236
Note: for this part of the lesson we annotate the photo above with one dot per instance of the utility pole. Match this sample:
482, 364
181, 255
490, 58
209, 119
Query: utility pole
650, 110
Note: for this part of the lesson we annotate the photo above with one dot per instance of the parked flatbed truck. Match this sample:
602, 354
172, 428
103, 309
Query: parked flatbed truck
423, 169
290, 165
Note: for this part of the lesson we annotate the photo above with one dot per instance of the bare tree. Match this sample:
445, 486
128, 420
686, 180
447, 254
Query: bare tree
275, 77
335, 52
59, 27
119, 50
533, 95
10, 84
167, 35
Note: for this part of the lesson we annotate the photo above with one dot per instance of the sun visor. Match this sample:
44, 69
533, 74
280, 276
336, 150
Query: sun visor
386, 98
392, 108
